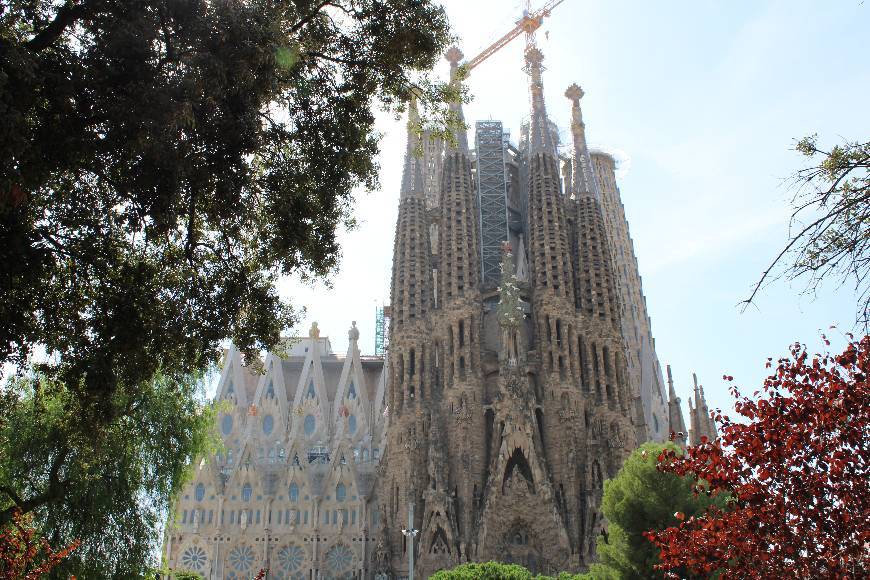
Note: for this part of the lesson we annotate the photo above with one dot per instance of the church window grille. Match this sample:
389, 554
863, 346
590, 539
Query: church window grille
194, 558
241, 558
268, 424
291, 558
294, 493
340, 492
227, 424
351, 391
199, 494
351, 424
309, 424
247, 490
339, 559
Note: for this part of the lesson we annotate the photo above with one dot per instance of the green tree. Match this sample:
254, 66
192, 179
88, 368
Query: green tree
641, 498
162, 162
829, 222
496, 571
112, 487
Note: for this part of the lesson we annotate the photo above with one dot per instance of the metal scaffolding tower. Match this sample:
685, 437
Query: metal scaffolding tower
492, 198
382, 338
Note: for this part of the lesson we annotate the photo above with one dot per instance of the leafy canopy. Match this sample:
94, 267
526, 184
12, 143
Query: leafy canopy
642, 498
829, 222
109, 485
162, 162
796, 469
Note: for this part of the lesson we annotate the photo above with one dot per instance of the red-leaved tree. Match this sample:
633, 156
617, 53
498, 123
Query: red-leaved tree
24, 556
797, 473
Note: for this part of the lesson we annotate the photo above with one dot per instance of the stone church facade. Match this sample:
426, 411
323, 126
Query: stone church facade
520, 373
505, 422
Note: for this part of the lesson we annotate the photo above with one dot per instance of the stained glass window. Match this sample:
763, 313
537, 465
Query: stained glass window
227, 424
291, 558
294, 492
351, 424
194, 558
340, 492
241, 558
351, 391
339, 558
268, 424
199, 494
309, 424
246, 492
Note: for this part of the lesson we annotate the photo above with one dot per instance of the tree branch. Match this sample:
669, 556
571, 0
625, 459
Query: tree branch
66, 16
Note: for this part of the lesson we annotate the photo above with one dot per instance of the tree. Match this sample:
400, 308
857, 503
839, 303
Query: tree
796, 470
109, 490
829, 222
495, 571
162, 162
642, 498
23, 555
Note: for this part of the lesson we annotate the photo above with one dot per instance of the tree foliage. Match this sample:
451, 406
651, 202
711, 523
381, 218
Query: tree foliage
162, 162
496, 571
829, 222
108, 485
642, 498
24, 555
796, 470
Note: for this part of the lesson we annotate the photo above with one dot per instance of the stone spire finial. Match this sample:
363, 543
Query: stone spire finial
314, 331
672, 393
412, 175
540, 136
353, 333
453, 56
583, 182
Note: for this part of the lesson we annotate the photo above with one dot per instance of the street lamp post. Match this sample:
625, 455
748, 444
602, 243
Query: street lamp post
410, 533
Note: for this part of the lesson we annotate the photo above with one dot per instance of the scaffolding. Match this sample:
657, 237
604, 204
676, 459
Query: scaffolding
492, 198
382, 335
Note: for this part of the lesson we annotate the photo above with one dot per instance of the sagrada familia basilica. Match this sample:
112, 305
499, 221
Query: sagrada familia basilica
521, 371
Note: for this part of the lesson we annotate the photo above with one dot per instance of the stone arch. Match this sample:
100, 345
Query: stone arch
438, 544
518, 462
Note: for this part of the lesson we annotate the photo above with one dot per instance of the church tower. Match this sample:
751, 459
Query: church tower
509, 396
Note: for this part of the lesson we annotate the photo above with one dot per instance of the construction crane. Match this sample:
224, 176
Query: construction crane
529, 23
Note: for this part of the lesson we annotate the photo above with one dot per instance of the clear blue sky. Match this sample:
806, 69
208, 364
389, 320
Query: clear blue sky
703, 101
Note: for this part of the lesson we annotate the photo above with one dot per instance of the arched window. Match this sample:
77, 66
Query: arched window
309, 424
340, 492
268, 424
351, 424
227, 424
270, 390
310, 394
655, 423
199, 494
294, 493
246, 492
351, 391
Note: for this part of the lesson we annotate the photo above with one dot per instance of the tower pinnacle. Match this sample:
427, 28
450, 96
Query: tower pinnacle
412, 175
583, 177
453, 56
540, 136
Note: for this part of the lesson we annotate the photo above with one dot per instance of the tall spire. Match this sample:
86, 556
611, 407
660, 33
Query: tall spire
453, 56
583, 182
676, 423
540, 136
412, 174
